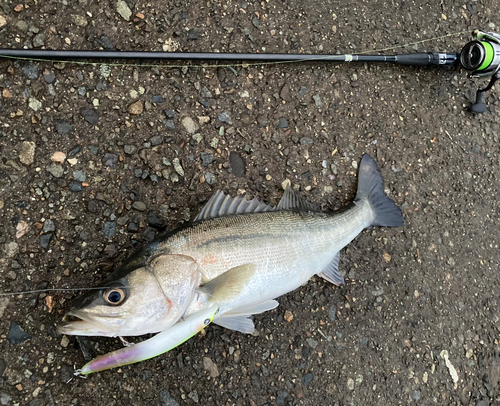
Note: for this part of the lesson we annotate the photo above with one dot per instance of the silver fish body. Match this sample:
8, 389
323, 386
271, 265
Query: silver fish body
239, 255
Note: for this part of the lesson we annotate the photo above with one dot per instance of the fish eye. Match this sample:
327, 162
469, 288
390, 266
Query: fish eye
114, 296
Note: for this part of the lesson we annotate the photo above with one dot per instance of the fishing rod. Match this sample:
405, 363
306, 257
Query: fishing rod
481, 57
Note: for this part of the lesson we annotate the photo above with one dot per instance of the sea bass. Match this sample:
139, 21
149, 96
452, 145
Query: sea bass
237, 256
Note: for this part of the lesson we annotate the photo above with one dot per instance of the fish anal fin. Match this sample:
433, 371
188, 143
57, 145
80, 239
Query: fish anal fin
331, 272
293, 200
255, 308
237, 323
230, 284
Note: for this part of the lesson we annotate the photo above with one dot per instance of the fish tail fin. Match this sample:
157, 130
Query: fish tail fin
371, 188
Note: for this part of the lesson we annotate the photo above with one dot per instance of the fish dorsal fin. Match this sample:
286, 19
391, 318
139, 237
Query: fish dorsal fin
221, 204
331, 272
230, 284
293, 200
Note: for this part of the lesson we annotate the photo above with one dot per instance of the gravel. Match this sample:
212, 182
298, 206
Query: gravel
16, 334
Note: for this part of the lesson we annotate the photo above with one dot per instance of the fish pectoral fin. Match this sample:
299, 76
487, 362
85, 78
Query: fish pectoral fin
331, 272
293, 200
230, 284
238, 323
255, 308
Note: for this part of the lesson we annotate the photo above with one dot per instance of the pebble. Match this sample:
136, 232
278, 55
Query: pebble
49, 76
210, 366
282, 123
75, 186
21, 229
16, 334
135, 108
80, 176
169, 124
189, 124
156, 140
34, 104
205, 93
317, 101
110, 160
45, 240
307, 379
65, 341
193, 35
140, 206
155, 222
170, 113
5, 398
3, 21
31, 71
225, 117
237, 164
48, 226
312, 342
305, 141
22, 25
94, 149
90, 116
55, 170
39, 40
130, 149
27, 154
157, 98
303, 91
109, 229
206, 158
123, 9
58, 157
198, 138
194, 396
177, 166
350, 384
166, 399
63, 127
209, 178
11, 249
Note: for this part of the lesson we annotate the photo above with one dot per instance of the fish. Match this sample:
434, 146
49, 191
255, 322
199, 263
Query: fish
238, 255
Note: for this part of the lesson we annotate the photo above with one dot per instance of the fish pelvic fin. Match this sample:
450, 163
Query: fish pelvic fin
371, 189
331, 272
230, 284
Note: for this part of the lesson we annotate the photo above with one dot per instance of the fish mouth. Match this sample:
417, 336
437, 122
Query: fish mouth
78, 323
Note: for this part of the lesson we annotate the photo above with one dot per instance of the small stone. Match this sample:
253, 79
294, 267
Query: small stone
237, 164
109, 229
155, 222
193, 35
205, 93
31, 71
170, 113
177, 166
285, 92
387, 257
416, 395
157, 98
135, 108
130, 149
206, 158
80, 176
225, 117
5, 399
3, 21
350, 384
34, 104
94, 149
16, 334
140, 206
198, 137
123, 9
210, 366
55, 170
110, 160
11, 249
45, 240
58, 157
63, 127
79, 20
209, 178
306, 141
189, 124
303, 91
312, 342
49, 76
317, 101
307, 379
282, 123
332, 312
65, 341
75, 186
90, 116
194, 396
169, 124
288, 316
27, 155
21, 229
39, 40
48, 226
166, 399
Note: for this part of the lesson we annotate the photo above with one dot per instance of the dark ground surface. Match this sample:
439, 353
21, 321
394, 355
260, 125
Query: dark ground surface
412, 293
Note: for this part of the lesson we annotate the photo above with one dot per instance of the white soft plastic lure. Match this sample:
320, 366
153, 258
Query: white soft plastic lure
160, 343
